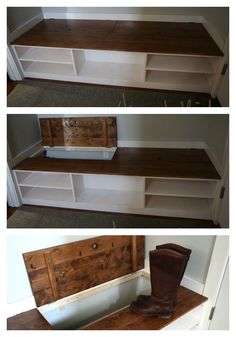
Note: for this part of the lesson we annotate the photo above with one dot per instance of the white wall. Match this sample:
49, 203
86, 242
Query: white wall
201, 246
16, 16
217, 136
22, 132
18, 286
159, 127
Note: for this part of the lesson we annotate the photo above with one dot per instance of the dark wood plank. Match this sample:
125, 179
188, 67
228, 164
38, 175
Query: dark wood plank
125, 319
133, 36
29, 320
46, 133
64, 270
148, 162
10, 211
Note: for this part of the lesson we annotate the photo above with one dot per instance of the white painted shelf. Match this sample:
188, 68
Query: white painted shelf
192, 64
46, 180
157, 71
111, 198
111, 71
48, 68
38, 193
178, 81
187, 198
179, 207
52, 55
181, 188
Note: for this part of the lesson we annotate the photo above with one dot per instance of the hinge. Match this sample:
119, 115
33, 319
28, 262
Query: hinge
212, 313
222, 192
224, 69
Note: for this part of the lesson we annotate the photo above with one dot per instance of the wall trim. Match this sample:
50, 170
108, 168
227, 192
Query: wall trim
24, 27
162, 144
28, 152
126, 17
214, 34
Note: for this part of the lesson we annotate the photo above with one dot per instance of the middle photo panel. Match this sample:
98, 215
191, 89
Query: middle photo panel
119, 171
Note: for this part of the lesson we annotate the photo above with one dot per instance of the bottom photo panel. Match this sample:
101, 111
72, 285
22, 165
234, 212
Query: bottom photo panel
157, 282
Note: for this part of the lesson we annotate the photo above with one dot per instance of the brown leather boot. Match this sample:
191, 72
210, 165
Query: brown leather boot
166, 269
177, 248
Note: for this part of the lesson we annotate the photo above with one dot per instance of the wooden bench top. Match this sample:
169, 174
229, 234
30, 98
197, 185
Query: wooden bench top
132, 36
29, 320
125, 319
148, 162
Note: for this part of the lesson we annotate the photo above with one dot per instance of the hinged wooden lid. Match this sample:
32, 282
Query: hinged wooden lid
64, 270
82, 131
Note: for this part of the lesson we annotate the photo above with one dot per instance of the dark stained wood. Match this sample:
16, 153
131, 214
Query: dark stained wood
134, 252
125, 319
11, 85
64, 270
82, 131
46, 132
148, 162
10, 211
133, 36
29, 320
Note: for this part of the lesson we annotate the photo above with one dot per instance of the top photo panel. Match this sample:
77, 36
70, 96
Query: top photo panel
118, 57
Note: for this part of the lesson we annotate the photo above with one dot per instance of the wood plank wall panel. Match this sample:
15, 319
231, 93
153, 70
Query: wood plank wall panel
64, 270
82, 131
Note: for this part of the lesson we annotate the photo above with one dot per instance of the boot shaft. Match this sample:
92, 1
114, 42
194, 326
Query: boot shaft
166, 268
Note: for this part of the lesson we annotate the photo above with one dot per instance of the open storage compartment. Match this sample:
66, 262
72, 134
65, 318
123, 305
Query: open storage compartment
110, 65
41, 186
180, 197
181, 72
109, 191
42, 60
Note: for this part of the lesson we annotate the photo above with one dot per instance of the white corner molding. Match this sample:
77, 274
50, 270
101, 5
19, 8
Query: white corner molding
31, 151
24, 27
216, 270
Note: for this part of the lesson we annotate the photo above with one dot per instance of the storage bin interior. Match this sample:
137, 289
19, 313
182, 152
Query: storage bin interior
83, 311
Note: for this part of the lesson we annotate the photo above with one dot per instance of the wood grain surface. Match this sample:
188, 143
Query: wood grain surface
147, 162
64, 270
82, 131
125, 319
29, 320
132, 36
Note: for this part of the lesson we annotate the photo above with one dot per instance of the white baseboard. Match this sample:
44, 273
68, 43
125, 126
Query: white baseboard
162, 144
29, 152
24, 27
125, 17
